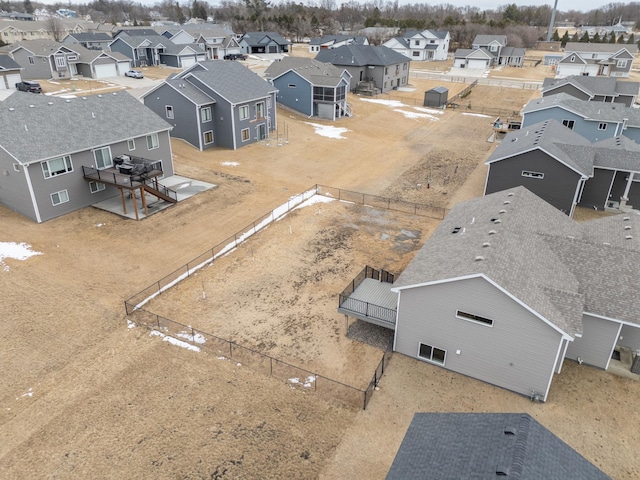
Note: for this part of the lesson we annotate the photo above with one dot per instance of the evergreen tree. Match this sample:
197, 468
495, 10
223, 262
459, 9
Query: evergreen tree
180, 14
28, 7
631, 40
621, 39
584, 38
612, 37
596, 38
565, 38
555, 37
575, 37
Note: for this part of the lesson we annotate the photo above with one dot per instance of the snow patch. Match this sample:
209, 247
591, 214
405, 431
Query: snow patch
408, 114
482, 115
197, 338
389, 103
17, 251
229, 164
328, 130
308, 382
130, 324
29, 393
174, 341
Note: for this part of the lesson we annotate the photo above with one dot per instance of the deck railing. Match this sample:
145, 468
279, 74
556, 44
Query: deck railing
369, 310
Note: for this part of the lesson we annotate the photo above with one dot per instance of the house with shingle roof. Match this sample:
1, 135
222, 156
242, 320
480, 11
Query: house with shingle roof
484, 446
489, 51
565, 169
596, 59
145, 47
425, 45
50, 169
593, 120
215, 41
335, 41
9, 73
313, 88
216, 103
263, 42
508, 287
44, 59
378, 65
90, 40
594, 89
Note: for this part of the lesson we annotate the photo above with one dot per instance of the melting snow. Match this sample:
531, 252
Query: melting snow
308, 382
197, 338
17, 251
477, 115
328, 130
389, 103
429, 110
415, 115
229, 164
130, 324
174, 341
313, 200
29, 393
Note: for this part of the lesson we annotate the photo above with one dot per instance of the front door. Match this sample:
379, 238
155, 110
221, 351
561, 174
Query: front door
261, 131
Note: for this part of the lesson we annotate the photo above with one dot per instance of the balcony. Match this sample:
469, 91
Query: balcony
369, 298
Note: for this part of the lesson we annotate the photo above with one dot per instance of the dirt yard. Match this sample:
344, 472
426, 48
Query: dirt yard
83, 396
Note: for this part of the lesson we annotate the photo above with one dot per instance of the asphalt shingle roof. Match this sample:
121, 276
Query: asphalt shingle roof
448, 446
316, 73
487, 39
261, 38
38, 127
612, 48
608, 86
361, 56
195, 95
8, 63
91, 37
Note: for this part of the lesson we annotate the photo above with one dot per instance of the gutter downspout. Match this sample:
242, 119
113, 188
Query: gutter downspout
32, 194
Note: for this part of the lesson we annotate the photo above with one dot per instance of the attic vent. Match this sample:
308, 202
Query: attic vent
68, 101
625, 219
502, 471
571, 237
11, 109
479, 258
502, 211
93, 115
514, 139
627, 227
506, 202
31, 106
628, 237
49, 103
492, 232
510, 430
607, 244
486, 244
99, 95
83, 98
456, 229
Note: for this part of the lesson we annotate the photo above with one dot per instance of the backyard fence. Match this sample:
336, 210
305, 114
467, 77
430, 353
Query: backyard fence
464, 92
493, 82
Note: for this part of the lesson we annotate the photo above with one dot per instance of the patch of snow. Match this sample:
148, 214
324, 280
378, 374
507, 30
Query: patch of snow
389, 103
415, 115
238, 364
315, 199
221, 358
477, 115
100, 225
308, 382
174, 341
328, 131
432, 111
29, 393
68, 96
130, 324
229, 164
17, 251
55, 83
197, 338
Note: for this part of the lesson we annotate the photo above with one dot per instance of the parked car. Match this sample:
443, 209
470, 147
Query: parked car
27, 86
235, 56
134, 74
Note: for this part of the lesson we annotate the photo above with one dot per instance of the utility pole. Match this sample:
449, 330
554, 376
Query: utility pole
553, 20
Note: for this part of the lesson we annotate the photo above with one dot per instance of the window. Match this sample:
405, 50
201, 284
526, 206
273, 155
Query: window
208, 137
131, 143
103, 157
72, 57
16, 167
417, 42
168, 111
244, 112
568, 123
602, 126
493, 48
528, 174
621, 64
260, 110
60, 62
59, 197
245, 134
152, 141
474, 318
432, 354
404, 66
268, 102
57, 166
415, 53
386, 70
291, 85
205, 114
96, 187
31, 61
573, 58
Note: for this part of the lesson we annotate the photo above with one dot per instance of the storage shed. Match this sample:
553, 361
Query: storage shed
436, 97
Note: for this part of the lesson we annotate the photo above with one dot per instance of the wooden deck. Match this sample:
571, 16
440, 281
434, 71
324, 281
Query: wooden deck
372, 301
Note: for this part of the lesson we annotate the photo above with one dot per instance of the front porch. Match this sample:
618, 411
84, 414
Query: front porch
369, 298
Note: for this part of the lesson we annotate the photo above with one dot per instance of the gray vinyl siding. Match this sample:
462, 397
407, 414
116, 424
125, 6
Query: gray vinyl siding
14, 192
38, 71
558, 187
596, 189
630, 337
597, 341
621, 71
517, 353
588, 129
298, 97
634, 195
619, 185
119, 45
570, 90
633, 133
78, 188
185, 114
170, 60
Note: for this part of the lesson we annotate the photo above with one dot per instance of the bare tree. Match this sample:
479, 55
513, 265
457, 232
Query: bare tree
56, 27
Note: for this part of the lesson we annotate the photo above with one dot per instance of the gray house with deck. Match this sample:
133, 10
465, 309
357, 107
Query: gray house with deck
313, 88
507, 287
59, 155
594, 89
216, 103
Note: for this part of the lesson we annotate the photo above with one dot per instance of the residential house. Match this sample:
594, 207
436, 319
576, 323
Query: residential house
263, 42
90, 40
57, 155
380, 66
313, 88
489, 51
335, 41
596, 59
507, 287
595, 89
486, 445
19, 30
216, 103
565, 169
593, 120
425, 45
43, 59
215, 41
145, 47
9, 73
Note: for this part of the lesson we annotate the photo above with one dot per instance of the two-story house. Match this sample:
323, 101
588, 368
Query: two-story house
594, 89
595, 59
335, 41
489, 51
425, 45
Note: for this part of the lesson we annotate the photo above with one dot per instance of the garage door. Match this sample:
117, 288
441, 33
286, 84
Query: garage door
273, 49
106, 70
477, 64
188, 61
123, 67
13, 78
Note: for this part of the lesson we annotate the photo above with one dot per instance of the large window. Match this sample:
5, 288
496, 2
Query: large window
59, 197
244, 112
568, 123
95, 187
60, 62
324, 94
621, 64
205, 114
152, 141
57, 166
208, 137
103, 157
474, 318
260, 110
432, 354
245, 134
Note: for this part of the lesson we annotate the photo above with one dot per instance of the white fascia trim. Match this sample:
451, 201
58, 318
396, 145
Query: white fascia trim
32, 194
553, 369
613, 347
615, 320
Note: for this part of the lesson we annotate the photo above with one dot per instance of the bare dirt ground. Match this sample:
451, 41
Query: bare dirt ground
82, 396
